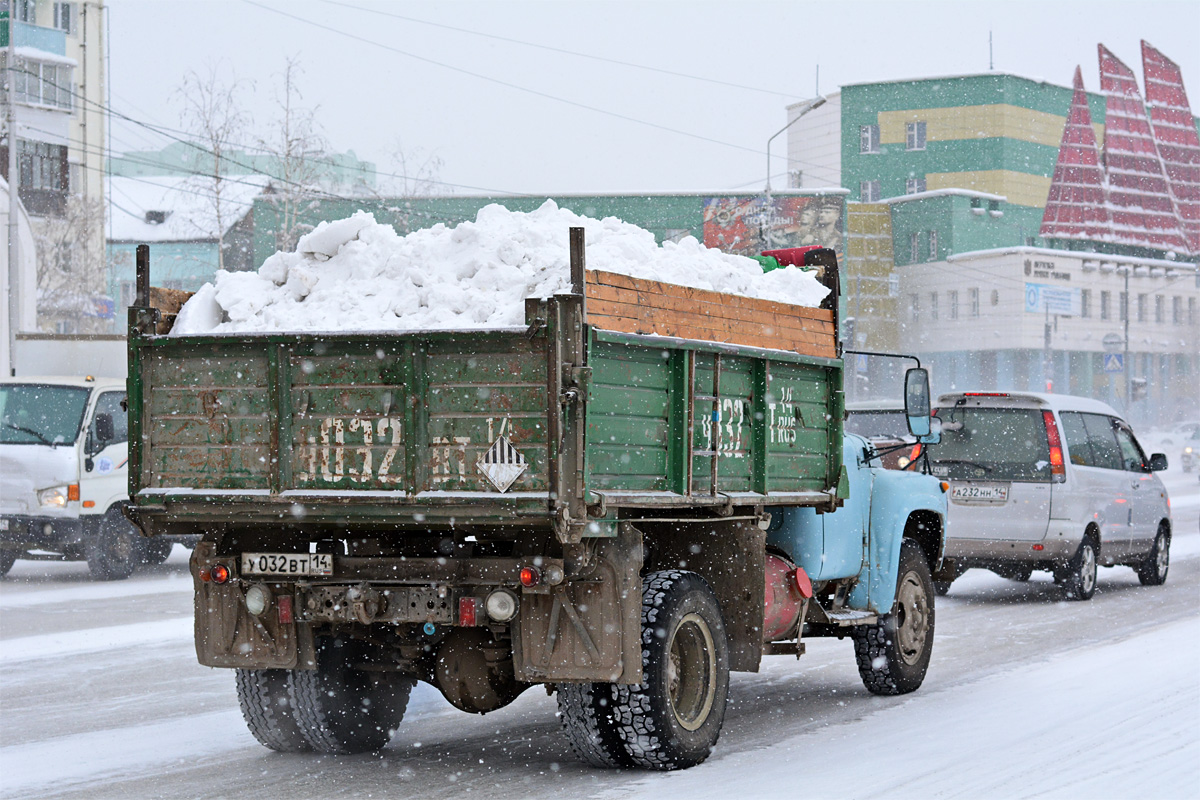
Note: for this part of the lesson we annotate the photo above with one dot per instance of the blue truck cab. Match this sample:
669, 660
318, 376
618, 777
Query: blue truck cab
867, 568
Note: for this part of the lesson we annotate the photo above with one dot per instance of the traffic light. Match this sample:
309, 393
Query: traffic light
1137, 388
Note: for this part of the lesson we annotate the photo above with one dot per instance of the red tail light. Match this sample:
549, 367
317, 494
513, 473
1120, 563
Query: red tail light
284, 602
1058, 468
219, 573
530, 576
467, 607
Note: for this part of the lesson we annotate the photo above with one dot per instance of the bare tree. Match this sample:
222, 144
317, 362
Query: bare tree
414, 175
71, 278
298, 150
214, 116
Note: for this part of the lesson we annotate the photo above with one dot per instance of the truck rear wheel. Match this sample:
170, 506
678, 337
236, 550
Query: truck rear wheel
672, 719
893, 654
115, 549
341, 708
586, 710
268, 709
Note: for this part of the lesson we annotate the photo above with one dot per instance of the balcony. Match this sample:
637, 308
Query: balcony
50, 40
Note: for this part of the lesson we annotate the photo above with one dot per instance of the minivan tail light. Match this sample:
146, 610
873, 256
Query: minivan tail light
1058, 469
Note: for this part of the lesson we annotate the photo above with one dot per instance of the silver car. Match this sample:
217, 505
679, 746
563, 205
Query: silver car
1048, 482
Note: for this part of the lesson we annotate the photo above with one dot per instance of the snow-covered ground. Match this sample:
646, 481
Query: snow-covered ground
1028, 695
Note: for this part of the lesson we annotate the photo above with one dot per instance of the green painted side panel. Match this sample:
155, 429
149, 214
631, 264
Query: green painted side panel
637, 420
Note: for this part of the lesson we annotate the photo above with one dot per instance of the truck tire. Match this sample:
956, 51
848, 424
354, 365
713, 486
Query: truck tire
1153, 571
1079, 576
156, 551
116, 548
343, 709
268, 710
7, 559
586, 711
672, 719
893, 654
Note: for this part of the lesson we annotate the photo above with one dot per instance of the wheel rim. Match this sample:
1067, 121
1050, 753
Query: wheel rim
692, 672
1162, 555
912, 618
1087, 568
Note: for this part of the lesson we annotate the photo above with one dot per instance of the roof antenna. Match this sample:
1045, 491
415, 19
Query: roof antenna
817, 93
991, 63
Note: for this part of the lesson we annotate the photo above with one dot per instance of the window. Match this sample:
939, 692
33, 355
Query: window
25, 10
953, 303
1123, 306
914, 246
914, 185
1141, 308
1075, 434
993, 444
1104, 298
914, 136
1105, 452
1177, 310
64, 17
1132, 458
973, 302
1160, 309
110, 403
933, 248
933, 305
1085, 303
995, 297
869, 191
795, 179
41, 83
868, 141
914, 307
42, 166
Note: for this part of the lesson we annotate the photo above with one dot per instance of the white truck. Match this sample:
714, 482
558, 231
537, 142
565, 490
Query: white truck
64, 476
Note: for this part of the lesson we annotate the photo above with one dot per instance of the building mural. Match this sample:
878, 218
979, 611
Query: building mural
749, 225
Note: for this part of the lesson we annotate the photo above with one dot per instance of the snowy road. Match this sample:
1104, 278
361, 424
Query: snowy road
1028, 695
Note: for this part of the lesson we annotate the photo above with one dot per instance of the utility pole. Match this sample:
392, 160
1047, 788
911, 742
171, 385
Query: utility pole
768, 212
14, 202
1127, 367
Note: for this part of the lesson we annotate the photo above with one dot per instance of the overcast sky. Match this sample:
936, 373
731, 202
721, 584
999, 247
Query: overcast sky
580, 96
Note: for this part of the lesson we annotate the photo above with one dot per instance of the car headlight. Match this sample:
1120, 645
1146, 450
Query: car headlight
53, 498
1187, 450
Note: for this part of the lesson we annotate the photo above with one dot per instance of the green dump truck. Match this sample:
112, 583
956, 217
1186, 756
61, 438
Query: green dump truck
582, 502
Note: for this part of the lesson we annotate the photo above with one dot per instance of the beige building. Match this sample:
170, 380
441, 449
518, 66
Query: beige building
59, 100
1121, 329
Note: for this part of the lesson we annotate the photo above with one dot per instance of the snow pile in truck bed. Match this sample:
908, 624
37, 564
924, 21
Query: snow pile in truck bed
356, 274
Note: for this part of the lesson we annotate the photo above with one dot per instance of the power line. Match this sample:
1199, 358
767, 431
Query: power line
562, 50
491, 79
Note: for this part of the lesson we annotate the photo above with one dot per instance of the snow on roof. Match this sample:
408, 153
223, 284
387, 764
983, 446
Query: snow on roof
177, 209
36, 54
1162, 263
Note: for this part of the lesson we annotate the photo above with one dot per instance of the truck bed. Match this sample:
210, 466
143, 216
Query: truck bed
633, 395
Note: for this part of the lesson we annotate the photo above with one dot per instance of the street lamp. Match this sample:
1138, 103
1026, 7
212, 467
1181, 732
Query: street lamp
768, 212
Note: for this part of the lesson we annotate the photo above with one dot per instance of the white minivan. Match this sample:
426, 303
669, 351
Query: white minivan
1048, 482
64, 452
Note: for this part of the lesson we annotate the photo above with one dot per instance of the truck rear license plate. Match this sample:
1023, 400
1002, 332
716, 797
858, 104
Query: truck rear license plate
287, 564
969, 492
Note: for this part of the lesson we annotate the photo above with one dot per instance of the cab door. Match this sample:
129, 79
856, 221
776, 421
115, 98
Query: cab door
104, 477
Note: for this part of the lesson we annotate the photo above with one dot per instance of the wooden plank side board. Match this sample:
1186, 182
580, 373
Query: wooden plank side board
639, 306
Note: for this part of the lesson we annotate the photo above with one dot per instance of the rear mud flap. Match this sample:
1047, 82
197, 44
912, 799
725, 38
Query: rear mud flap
590, 629
228, 635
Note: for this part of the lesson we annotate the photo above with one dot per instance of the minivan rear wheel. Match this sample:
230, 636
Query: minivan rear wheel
1079, 578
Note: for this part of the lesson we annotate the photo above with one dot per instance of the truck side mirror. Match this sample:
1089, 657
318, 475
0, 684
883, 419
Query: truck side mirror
916, 401
1158, 462
104, 428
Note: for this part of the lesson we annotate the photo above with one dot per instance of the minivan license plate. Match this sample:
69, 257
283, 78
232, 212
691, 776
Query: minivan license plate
961, 492
287, 564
